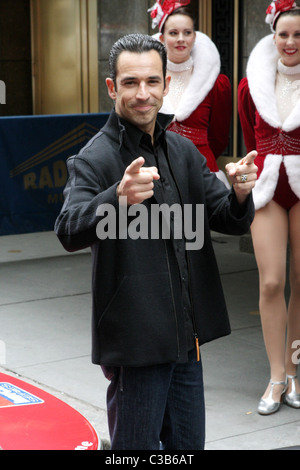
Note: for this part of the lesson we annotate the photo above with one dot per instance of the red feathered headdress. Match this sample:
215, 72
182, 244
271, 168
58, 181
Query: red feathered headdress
277, 7
159, 12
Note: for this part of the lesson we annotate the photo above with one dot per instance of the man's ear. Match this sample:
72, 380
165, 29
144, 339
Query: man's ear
111, 88
167, 83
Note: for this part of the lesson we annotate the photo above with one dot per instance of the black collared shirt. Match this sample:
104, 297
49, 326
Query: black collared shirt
140, 144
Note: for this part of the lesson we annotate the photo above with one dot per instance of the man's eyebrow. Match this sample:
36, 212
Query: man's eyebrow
125, 79
155, 77
151, 77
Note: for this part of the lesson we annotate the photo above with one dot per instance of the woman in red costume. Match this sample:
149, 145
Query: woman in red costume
269, 109
199, 96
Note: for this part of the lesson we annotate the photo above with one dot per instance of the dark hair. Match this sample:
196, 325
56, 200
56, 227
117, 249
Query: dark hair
293, 12
181, 11
136, 43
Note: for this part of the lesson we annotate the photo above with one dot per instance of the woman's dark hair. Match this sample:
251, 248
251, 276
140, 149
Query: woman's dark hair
295, 12
136, 43
181, 11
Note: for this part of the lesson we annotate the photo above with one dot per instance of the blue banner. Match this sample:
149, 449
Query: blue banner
33, 172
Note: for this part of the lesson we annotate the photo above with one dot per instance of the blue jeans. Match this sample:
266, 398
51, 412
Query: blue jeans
156, 407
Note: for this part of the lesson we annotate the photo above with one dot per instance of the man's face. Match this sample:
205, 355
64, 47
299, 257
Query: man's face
139, 89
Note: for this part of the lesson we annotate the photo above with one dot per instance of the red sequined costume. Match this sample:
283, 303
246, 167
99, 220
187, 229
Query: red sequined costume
204, 112
277, 143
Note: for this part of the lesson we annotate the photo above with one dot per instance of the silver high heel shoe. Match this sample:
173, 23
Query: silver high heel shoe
268, 406
293, 398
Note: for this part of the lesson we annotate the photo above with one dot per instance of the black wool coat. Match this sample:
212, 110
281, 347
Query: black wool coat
136, 318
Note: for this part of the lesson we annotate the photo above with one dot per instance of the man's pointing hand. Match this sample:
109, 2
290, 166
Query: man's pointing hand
137, 182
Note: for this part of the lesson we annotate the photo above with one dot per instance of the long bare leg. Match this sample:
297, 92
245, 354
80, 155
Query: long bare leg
293, 330
270, 235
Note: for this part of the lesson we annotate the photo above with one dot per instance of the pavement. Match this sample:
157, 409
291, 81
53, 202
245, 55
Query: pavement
45, 310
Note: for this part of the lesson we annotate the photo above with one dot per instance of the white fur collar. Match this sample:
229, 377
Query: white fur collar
261, 74
207, 66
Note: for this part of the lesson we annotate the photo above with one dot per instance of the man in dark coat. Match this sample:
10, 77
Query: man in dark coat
145, 201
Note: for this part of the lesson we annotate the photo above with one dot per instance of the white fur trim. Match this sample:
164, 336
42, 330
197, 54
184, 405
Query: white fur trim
266, 184
207, 67
292, 166
261, 74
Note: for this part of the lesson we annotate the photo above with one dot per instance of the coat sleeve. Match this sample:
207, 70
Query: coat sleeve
77, 221
220, 118
247, 110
